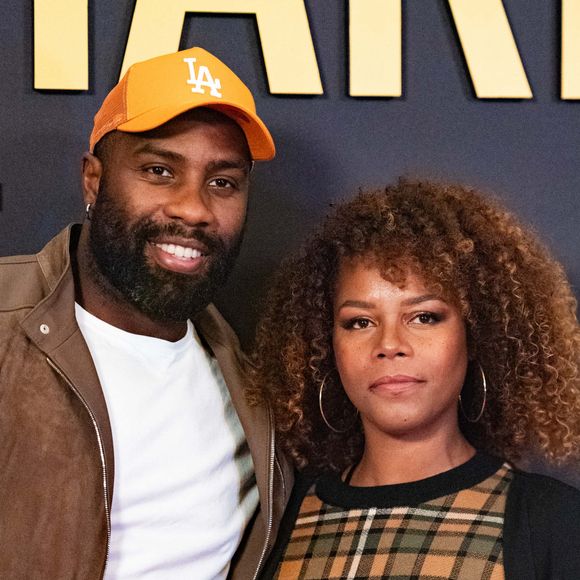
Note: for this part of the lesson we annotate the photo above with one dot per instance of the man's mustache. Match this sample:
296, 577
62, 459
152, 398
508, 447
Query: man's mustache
151, 230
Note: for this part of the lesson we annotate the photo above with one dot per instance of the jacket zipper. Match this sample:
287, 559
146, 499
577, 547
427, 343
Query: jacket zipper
270, 497
101, 453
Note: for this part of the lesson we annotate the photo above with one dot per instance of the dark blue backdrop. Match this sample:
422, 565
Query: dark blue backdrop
328, 146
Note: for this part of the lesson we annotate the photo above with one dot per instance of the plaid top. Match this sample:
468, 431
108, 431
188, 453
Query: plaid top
444, 527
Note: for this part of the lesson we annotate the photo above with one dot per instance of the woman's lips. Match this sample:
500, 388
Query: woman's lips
395, 384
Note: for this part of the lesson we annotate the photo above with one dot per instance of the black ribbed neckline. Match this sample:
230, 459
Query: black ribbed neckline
332, 490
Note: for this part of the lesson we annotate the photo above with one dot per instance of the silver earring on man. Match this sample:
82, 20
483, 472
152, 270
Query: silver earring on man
88, 212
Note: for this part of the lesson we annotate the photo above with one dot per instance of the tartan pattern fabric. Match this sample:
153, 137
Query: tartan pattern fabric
457, 536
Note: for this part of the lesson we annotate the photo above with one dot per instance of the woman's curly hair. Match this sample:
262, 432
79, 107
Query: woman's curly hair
518, 308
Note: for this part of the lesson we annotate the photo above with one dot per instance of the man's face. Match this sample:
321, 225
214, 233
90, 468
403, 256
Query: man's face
168, 218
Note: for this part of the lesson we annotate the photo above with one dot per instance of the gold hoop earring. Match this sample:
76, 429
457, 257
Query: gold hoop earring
320, 391
480, 414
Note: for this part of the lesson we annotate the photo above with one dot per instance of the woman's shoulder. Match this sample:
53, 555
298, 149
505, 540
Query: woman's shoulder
543, 489
550, 505
542, 527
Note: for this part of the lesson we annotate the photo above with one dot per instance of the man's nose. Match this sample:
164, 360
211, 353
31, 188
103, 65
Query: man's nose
392, 342
191, 205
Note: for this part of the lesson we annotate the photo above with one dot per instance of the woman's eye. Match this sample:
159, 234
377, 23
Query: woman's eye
358, 323
426, 318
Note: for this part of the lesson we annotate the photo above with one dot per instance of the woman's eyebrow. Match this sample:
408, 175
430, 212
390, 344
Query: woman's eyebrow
356, 304
418, 299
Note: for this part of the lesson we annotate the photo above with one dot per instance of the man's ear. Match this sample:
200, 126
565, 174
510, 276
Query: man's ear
92, 171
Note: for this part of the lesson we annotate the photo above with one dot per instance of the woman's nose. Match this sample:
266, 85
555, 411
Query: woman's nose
392, 342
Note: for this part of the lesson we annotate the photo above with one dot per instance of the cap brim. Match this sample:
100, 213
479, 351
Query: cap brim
260, 141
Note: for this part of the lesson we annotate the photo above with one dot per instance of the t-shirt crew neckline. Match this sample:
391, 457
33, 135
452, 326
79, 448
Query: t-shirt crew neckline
141, 341
332, 490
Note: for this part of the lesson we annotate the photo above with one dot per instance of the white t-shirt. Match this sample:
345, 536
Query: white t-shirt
184, 479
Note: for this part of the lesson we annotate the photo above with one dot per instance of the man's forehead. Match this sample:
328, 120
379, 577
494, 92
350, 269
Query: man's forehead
183, 122
148, 141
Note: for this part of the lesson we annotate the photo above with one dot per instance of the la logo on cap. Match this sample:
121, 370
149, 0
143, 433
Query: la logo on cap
184, 80
202, 78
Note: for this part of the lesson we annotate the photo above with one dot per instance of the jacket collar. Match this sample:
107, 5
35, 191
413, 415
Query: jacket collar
52, 326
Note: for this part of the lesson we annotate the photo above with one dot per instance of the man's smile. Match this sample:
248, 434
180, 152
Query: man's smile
180, 251
182, 259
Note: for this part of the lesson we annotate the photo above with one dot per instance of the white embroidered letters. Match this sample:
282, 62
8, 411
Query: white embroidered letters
202, 80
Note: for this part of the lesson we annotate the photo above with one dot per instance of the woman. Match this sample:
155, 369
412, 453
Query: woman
421, 344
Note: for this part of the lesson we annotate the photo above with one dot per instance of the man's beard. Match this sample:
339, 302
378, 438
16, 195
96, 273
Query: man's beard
118, 249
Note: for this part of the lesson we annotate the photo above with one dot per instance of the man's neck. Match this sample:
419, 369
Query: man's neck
104, 301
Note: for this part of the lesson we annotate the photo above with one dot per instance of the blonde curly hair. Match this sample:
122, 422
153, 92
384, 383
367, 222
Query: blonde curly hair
518, 308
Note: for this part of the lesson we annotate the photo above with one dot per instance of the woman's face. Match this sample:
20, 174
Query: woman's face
401, 352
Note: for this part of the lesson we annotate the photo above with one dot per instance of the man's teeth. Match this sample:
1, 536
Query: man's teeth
180, 251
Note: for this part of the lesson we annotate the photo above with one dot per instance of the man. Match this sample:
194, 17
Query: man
123, 452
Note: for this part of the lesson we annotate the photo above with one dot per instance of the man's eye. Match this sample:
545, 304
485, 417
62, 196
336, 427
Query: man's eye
158, 171
221, 182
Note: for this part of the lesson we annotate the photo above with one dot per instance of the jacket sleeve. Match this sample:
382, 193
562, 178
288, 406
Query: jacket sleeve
542, 529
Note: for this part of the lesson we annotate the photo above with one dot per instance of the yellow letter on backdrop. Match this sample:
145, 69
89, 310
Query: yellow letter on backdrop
490, 49
570, 49
375, 48
61, 45
282, 24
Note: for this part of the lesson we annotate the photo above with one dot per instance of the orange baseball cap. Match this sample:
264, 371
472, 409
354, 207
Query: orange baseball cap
155, 91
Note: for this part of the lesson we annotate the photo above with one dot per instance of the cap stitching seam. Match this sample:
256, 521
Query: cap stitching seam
125, 89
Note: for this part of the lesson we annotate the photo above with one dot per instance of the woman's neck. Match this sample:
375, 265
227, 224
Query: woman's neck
390, 460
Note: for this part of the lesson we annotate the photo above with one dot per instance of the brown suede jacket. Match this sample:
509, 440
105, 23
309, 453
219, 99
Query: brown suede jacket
56, 449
